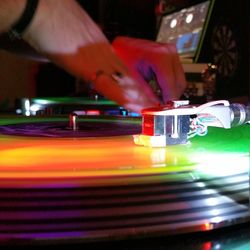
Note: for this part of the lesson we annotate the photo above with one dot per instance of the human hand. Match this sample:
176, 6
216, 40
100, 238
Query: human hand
64, 33
68, 37
153, 63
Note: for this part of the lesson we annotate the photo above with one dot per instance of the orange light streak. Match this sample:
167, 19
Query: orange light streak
38, 157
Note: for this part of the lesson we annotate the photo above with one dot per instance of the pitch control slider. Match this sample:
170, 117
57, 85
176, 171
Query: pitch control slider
177, 122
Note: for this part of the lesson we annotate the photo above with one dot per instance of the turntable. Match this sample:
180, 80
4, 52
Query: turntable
93, 183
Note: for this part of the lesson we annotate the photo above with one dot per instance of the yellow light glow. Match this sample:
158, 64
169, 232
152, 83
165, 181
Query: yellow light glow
37, 157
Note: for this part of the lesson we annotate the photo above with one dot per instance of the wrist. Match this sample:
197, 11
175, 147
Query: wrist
24, 20
10, 11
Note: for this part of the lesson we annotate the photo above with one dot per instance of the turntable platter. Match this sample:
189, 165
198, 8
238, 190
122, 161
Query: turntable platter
31, 146
104, 186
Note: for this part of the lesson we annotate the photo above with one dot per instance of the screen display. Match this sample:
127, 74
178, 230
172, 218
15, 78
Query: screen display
184, 28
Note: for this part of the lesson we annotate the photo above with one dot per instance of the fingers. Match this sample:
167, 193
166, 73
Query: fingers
98, 63
170, 74
137, 94
101, 56
125, 91
163, 59
101, 65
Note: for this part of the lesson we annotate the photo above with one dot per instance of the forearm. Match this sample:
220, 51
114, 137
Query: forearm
64, 32
10, 11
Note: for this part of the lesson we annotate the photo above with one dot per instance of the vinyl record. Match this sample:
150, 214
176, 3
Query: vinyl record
93, 188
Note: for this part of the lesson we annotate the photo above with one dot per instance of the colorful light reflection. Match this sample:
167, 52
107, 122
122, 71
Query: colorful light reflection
54, 185
222, 151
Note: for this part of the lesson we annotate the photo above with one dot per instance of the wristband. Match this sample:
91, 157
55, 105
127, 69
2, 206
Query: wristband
24, 21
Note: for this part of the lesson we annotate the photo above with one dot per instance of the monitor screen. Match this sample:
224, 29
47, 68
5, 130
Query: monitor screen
184, 28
